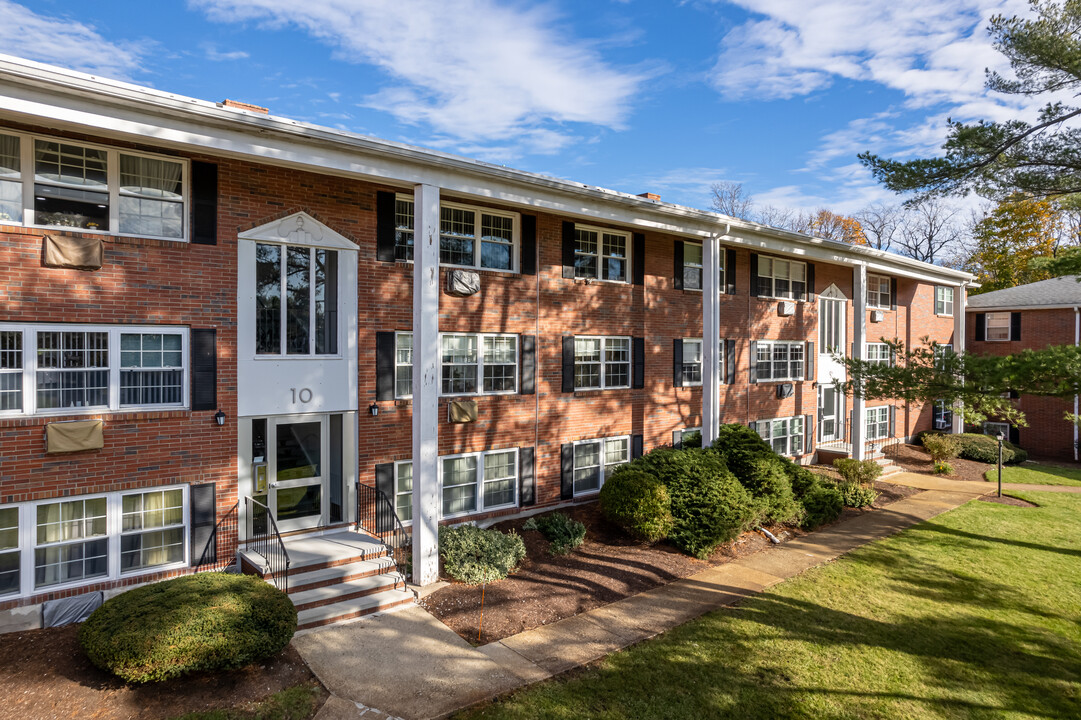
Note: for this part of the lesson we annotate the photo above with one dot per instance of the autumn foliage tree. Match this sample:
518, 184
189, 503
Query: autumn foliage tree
1009, 239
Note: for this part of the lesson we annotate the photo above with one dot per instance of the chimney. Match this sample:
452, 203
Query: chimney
649, 196
245, 106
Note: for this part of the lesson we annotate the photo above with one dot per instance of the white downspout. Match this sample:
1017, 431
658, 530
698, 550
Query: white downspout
1077, 343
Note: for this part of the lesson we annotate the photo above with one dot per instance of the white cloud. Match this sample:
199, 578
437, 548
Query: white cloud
65, 42
689, 185
474, 70
213, 54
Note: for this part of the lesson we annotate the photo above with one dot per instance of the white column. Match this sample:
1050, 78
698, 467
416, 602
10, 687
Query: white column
857, 430
426, 380
960, 300
711, 344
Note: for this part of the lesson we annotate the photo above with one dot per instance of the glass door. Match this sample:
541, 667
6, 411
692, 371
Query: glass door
830, 428
298, 472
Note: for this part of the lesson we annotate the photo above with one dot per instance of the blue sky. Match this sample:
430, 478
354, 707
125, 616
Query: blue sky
650, 95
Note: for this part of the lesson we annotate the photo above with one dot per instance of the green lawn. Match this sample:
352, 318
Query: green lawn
973, 614
1035, 474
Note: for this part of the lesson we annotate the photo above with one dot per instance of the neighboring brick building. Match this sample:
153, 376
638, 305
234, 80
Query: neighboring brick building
1034, 316
245, 335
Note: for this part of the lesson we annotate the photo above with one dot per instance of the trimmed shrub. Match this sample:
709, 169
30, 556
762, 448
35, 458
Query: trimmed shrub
856, 495
638, 502
740, 446
772, 491
562, 533
918, 437
858, 472
822, 503
709, 506
941, 448
209, 621
474, 556
943, 468
984, 449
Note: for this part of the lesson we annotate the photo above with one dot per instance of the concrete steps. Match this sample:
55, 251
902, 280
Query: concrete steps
354, 608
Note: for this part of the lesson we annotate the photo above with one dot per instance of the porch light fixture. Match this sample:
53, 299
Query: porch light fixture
373, 409
219, 417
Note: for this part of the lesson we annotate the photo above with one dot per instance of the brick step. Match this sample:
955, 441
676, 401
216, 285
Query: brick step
340, 591
354, 608
309, 579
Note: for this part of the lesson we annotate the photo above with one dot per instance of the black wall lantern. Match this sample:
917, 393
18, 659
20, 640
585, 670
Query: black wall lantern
219, 417
373, 409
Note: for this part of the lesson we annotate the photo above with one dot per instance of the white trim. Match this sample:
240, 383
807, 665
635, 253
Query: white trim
877, 280
479, 363
802, 345
788, 437
478, 242
604, 363
628, 249
300, 228
700, 363
805, 296
603, 466
871, 421
952, 301
1009, 328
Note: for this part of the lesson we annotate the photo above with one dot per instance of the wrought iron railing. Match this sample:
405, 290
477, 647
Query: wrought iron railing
221, 546
840, 434
377, 517
267, 542
887, 448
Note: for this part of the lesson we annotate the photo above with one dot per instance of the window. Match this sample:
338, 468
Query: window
941, 353
9, 551
306, 323
942, 416
602, 362
600, 254
152, 529
879, 353
468, 236
998, 326
692, 362
779, 360
71, 541
781, 278
472, 364
785, 435
878, 423
479, 481
91, 188
594, 461
878, 292
994, 429
943, 300
689, 434
403, 490
692, 266
57, 368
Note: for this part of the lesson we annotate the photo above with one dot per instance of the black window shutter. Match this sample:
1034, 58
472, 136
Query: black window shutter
384, 483
638, 362
204, 369
809, 362
203, 510
568, 363
677, 265
981, 326
753, 365
808, 434
638, 259
566, 475
1015, 435
754, 275
527, 360
893, 419
730, 361
1015, 326
809, 294
893, 293
529, 245
730, 271
384, 366
677, 439
636, 446
677, 362
568, 250
204, 203
527, 478
384, 226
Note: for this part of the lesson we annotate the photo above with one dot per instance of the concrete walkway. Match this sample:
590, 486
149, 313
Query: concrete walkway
978, 487
409, 665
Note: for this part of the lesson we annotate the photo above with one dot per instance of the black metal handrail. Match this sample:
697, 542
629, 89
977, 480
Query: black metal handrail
222, 542
269, 544
377, 517
840, 439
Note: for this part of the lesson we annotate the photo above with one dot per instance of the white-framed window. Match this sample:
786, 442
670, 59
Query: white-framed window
472, 364
994, 429
785, 435
878, 422
779, 360
682, 435
602, 363
594, 461
943, 300
403, 490
692, 361
940, 353
998, 326
476, 482
296, 300
692, 266
60, 369
71, 541
51, 182
779, 278
601, 254
879, 353
878, 292
942, 418
469, 236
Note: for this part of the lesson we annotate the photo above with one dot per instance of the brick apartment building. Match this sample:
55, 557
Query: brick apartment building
1033, 316
208, 310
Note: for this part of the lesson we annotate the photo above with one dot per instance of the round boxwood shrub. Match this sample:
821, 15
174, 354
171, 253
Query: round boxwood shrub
474, 556
822, 503
209, 621
984, 449
709, 506
638, 502
772, 490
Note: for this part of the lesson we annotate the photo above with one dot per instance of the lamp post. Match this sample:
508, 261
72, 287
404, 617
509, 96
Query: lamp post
1000, 437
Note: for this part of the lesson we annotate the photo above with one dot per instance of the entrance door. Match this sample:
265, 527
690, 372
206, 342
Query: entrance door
295, 451
830, 426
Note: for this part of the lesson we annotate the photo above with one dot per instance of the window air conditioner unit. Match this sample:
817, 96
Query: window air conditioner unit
877, 316
785, 390
786, 309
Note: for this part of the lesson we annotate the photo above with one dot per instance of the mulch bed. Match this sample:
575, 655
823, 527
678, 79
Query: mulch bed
608, 566
44, 674
913, 458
